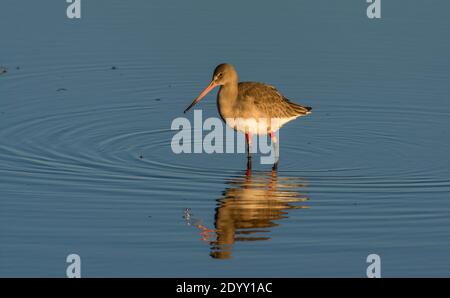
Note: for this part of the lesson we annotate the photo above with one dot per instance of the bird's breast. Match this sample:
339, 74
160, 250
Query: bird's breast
259, 126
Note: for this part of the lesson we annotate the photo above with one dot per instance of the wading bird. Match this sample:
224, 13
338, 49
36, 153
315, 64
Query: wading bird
251, 107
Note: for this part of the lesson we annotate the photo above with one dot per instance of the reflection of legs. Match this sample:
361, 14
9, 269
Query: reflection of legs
275, 147
273, 179
248, 173
249, 150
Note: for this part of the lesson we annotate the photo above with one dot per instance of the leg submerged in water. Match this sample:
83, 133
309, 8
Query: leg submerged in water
248, 138
273, 137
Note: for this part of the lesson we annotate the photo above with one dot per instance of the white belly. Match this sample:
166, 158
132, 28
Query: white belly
257, 126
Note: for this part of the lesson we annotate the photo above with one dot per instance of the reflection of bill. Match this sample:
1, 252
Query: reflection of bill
192, 221
249, 208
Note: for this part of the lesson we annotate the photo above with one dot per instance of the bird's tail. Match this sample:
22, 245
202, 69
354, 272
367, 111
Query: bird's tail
300, 110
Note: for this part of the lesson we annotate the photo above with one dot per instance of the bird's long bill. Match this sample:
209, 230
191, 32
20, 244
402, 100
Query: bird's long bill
204, 92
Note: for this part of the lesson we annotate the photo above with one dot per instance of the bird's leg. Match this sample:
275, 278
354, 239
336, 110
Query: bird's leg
249, 150
273, 137
248, 138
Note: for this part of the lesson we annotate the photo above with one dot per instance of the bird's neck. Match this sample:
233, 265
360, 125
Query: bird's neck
227, 98
229, 91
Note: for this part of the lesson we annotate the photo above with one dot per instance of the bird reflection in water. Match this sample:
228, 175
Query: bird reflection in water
251, 205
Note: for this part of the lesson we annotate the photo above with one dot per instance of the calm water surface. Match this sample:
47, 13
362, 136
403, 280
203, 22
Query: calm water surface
86, 165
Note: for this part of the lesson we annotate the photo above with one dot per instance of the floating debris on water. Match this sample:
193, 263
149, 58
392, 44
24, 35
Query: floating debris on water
61, 89
3, 70
113, 67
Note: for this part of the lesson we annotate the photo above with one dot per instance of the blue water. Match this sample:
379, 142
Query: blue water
86, 165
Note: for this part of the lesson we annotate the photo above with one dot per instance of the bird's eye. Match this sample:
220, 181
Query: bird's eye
220, 75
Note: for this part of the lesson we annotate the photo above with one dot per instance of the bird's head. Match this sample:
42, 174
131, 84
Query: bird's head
223, 74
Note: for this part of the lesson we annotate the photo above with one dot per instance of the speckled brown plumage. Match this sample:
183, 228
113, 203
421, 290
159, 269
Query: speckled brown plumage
269, 101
